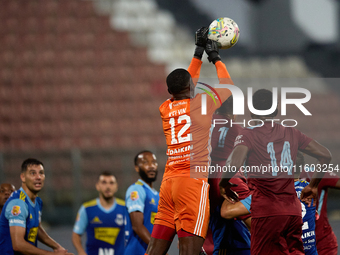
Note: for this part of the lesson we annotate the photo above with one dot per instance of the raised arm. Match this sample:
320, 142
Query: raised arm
194, 68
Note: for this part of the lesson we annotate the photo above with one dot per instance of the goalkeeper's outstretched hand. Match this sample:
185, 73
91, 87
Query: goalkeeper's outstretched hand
201, 37
211, 48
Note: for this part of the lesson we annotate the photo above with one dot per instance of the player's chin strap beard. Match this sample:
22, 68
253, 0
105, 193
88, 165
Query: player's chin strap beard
145, 178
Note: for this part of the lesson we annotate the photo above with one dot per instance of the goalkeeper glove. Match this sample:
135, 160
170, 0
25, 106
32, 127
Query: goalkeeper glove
211, 49
201, 37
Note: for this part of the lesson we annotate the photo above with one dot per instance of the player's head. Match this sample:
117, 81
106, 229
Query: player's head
146, 165
226, 108
32, 175
300, 164
106, 185
179, 82
6, 189
263, 100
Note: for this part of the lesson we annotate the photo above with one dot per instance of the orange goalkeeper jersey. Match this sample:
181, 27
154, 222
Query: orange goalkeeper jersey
187, 131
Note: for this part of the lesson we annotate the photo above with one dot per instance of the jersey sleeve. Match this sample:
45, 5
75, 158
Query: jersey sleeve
303, 140
16, 213
329, 180
194, 69
247, 202
221, 94
242, 139
135, 199
81, 221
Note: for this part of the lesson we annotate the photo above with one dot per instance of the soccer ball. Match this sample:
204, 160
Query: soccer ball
225, 32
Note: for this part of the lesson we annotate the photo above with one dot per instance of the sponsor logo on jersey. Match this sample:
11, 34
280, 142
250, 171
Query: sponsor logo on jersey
152, 218
134, 195
119, 219
96, 220
16, 210
153, 201
31, 217
32, 235
108, 235
16, 221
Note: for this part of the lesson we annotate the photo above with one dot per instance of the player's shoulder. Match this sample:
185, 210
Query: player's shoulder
236, 128
303, 183
15, 195
138, 186
90, 203
165, 105
18, 195
120, 202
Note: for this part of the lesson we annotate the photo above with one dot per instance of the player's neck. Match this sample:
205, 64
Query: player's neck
147, 182
177, 98
30, 194
296, 179
106, 203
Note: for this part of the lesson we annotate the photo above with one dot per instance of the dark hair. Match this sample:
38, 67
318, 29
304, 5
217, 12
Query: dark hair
136, 157
30, 162
226, 107
106, 173
178, 80
263, 100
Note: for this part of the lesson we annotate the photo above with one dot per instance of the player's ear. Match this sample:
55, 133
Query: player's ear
22, 177
97, 186
137, 169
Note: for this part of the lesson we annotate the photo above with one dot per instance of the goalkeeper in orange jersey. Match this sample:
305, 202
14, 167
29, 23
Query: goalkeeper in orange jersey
184, 193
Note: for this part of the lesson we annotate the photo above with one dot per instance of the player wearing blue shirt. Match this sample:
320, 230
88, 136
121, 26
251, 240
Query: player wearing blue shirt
20, 227
141, 202
103, 221
6, 189
308, 217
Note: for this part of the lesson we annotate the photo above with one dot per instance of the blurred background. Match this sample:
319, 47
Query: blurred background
81, 82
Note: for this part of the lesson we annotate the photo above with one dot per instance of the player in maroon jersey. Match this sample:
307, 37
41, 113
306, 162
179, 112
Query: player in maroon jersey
222, 142
276, 210
222, 231
326, 242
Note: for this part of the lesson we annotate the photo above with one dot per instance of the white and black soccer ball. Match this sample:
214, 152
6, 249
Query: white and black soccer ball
225, 32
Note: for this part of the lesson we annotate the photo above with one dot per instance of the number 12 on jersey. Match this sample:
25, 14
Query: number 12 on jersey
179, 139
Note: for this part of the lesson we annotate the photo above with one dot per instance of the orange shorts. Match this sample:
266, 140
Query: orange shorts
184, 204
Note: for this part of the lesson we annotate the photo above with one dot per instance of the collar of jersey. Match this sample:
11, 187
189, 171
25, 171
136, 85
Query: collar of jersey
106, 210
147, 186
28, 198
297, 182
